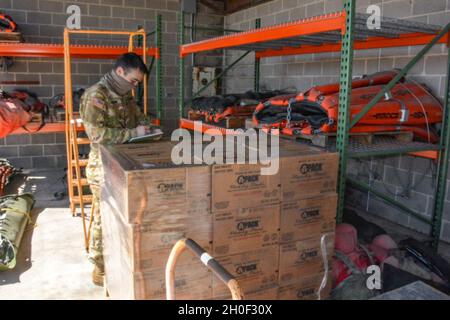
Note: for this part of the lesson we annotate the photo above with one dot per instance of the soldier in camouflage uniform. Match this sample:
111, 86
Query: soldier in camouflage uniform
110, 116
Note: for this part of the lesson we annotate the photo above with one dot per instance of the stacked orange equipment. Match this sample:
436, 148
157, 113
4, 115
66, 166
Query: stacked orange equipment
409, 106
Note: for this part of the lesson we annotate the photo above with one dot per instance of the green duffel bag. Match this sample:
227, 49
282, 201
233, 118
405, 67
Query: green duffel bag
14, 217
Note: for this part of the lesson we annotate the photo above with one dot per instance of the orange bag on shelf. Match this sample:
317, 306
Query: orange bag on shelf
12, 114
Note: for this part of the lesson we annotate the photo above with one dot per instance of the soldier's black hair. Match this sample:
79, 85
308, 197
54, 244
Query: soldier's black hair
131, 60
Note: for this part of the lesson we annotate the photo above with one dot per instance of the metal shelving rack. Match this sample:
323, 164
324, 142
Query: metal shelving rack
343, 31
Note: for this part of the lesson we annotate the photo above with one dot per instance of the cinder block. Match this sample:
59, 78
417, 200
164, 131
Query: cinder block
435, 65
55, 149
5, 4
17, 139
391, 52
418, 202
43, 138
263, 10
428, 6
402, 62
420, 226
295, 69
50, 6
386, 211
156, 4
110, 2
135, 3
370, 53
2, 141
446, 215
359, 67
301, 83
31, 150
99, 11
424, 184
39, 18
111, 23
331, 68
21, 162
146, 14
89, 68
355, 197
9, 151
90, 22
313, 68
51, 31
289, 4
268, 21
44, 162
25, 5
173, 5
386, 63
334, 6
34, 66
432, 82
416, 164
27, 77
297, 14
445, 231
52, 79
396, 177
315, 9
282, 17
61, 162
19, 66
397, 9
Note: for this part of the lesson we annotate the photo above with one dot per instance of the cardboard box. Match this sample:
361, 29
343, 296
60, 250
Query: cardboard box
144, 194
245, 229
301, 258
270, 293
303, 176
305, 218
148, 246
191, 283
306, 288
242, 186
254, 270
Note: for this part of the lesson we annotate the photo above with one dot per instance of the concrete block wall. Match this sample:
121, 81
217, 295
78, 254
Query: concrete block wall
43, 21
409, 180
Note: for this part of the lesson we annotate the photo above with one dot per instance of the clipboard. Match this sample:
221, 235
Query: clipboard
147, 138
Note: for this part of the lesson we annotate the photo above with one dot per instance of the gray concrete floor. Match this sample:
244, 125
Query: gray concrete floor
52, 262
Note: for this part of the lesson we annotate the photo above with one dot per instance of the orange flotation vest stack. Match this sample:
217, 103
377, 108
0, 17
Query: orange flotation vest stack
408, 107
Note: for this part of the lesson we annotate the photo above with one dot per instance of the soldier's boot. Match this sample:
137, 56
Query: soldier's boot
97, 276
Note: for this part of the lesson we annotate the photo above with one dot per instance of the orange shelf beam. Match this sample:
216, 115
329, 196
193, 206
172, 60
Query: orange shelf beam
77, 51
404, 40
47, 128
324, 23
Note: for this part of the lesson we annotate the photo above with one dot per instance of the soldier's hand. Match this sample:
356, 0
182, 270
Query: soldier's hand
141, 130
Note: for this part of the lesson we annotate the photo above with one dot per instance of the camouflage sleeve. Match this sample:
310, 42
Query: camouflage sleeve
141, 118
95, 119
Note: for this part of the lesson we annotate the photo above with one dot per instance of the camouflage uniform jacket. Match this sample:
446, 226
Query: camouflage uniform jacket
108, 119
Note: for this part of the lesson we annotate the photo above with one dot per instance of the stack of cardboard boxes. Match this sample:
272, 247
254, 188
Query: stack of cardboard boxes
264, 229
144, 213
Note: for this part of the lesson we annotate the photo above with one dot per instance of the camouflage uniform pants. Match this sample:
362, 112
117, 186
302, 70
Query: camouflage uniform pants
94, 175
96, 244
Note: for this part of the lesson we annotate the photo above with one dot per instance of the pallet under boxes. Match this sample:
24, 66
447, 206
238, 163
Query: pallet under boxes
264, 229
